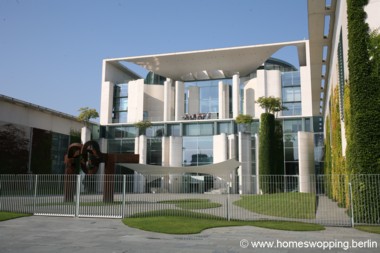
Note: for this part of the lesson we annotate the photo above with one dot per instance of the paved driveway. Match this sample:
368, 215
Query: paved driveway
40, 234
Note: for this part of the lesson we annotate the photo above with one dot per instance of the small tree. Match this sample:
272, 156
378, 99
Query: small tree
271, 104
143, 125
244, 122
86, 114
271, 159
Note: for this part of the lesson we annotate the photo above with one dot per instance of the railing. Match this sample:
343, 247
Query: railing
338, 200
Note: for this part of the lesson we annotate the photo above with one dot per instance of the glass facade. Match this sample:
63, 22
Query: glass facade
208, 95
197, 151
120, 103
291, 93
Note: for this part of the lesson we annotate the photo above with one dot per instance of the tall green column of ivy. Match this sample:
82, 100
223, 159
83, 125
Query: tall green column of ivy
364, 151
364, 94
267, 150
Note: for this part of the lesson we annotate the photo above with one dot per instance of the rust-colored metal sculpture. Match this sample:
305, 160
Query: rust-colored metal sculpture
87, 158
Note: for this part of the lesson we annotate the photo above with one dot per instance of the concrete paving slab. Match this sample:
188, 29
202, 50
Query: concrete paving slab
40, 234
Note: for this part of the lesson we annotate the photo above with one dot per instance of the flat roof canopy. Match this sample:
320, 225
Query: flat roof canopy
213, 63
222, 169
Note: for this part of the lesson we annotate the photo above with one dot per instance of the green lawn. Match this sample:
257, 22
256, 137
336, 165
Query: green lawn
370, 229
289, 205
184, 222
192, 203
9, 215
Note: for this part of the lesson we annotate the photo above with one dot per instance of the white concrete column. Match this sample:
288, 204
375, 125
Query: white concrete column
245, 158
165, 151
135, 101
167, 99
106, 103
142, 149
235, 95
85, 135
193, 100
139, 180
231, 139
257, 143
175, 159
223, 92
179, 100
220, 148
306, 162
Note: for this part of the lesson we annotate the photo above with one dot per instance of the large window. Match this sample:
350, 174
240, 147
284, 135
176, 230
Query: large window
198, 129
154, 151
208, 95
120, 103
197, 150
291, 93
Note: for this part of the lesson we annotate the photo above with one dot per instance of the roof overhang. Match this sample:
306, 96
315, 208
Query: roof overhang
223, 170
321, 19
213, 63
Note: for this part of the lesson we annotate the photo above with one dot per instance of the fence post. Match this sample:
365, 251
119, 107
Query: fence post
77, 197
351, 204
123, 201
228, 201
35, 193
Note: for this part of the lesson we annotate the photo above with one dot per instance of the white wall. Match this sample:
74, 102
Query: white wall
106, 103
220, 148
135, 101
306, 162
32, 117
154, 102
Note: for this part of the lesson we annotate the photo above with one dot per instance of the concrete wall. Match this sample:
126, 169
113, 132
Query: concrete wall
136, 100
306, 162
220, 148
154, 102
37, 117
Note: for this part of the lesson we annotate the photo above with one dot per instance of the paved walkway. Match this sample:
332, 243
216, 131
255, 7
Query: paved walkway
329, 213
40, 234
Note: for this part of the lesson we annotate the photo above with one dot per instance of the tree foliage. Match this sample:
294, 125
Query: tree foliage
143, 125
86, 114
271, 104
363, 154
244, 119
364, 95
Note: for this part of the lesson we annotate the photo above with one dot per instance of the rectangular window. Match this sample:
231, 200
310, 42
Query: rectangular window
198, 129
197, 150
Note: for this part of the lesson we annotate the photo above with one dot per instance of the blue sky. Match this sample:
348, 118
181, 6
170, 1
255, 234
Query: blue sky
51, 51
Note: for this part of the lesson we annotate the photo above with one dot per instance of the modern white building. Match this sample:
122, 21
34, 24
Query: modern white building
192, 99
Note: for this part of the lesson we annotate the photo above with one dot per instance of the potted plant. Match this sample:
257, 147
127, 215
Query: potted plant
244, 122
142, 126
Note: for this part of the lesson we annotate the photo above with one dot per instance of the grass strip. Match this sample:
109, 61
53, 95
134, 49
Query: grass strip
369, 229
192, 203
183, 223
10, 215
288, 205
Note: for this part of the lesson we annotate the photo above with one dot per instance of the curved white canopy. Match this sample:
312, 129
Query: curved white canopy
212, 63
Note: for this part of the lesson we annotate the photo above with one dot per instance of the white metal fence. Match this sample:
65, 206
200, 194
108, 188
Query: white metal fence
336, 200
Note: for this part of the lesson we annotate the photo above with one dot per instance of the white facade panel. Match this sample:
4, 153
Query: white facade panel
179, 100
154, 102
106, 103
306, 162
175, 159
32, 117
220, 148
135, 101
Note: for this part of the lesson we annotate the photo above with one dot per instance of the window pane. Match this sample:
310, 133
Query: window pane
206, 129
